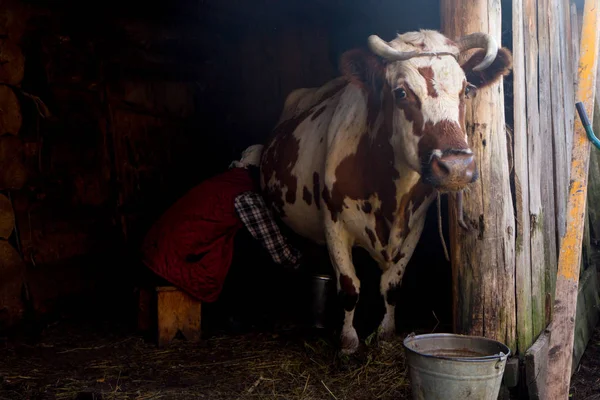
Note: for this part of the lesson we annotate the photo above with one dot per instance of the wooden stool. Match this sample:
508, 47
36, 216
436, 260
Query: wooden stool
177, 312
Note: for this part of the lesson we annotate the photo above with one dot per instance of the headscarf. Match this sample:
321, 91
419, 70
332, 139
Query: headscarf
250, 157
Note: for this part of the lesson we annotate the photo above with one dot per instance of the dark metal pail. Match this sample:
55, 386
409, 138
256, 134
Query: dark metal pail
322, 287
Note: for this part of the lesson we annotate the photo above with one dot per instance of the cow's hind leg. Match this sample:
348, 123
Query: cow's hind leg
348, 286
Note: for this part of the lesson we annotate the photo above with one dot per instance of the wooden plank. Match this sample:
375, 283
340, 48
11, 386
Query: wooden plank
561, 340
483, 260
521, 183
554, 186
536, 367
540, 144
567, 58
593, 201
587, 314
576, 38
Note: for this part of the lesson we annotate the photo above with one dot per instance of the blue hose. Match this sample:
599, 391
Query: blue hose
586, 124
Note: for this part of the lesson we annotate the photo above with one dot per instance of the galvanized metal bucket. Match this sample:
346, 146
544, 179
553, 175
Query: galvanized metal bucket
322, 290
445, 366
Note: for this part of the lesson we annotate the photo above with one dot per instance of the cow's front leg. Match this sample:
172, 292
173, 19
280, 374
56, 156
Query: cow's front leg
348, 285
391, 279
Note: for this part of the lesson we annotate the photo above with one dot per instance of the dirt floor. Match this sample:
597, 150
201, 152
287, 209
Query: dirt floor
101, 361
585, 384
105, 360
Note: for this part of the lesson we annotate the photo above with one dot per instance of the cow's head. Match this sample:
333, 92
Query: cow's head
419, 72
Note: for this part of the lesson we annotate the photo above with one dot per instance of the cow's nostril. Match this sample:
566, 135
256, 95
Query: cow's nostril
439, 167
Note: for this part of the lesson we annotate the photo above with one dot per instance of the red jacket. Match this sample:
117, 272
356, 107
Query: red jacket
191, 245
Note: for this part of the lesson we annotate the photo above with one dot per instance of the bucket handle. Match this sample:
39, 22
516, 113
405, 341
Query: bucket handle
502, 358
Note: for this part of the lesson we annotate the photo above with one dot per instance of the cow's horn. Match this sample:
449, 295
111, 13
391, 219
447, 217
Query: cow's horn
383, 49
480, 40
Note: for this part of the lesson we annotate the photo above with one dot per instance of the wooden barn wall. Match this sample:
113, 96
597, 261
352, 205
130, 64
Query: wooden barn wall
543, 93
504, 288
146, 101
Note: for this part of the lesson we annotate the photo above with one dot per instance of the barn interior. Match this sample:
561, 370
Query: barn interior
125, 106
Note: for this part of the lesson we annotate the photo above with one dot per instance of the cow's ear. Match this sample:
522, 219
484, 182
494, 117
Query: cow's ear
364, 69
500, 67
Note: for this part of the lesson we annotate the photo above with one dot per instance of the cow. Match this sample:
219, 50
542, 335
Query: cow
359, 160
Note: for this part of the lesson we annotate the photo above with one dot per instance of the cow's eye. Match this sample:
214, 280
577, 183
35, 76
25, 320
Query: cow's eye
470, 90
400, 93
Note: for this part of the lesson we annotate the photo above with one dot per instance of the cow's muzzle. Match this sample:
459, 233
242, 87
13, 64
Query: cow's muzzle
451, 170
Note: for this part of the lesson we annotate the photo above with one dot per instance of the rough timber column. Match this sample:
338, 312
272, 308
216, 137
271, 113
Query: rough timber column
483, 259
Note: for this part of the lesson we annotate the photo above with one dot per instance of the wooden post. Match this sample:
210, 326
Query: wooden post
483, 260
562, 332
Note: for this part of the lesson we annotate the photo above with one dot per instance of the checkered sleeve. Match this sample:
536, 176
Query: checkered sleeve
258, 219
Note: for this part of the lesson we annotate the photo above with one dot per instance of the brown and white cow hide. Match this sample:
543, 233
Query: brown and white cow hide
357, 161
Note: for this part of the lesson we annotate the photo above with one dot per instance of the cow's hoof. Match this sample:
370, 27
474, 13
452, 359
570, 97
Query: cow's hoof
349, 342
387, 330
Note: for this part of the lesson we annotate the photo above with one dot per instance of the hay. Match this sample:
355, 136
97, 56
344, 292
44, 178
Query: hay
252, 366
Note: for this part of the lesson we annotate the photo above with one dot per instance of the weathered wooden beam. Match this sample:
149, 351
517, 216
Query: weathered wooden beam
536, 367
483, 260
536, 358
555, 184
561, 339
524, 128
593, 202
539, 152
587, 314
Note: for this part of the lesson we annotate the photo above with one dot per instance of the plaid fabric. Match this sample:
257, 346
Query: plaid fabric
258, 219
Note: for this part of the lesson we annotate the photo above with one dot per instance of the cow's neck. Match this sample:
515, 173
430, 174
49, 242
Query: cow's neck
412, 196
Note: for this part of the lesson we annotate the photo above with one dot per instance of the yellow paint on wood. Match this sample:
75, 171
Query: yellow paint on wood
563, 324
571, 245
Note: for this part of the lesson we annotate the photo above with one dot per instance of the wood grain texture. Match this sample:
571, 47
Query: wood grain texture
593, 200
483, 260
536, 365
562, 108
561, 339
540, 160
177, 312
521, 135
